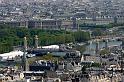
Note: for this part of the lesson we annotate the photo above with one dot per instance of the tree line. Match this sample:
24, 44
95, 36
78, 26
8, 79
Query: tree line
10, 37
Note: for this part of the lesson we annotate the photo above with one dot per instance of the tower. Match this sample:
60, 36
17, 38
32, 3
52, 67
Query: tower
24, 55
122, 44
36, 41
97, 47
74, 23
25, 43
106, 44
115, 19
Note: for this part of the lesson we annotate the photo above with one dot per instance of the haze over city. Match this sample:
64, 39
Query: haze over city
61, 40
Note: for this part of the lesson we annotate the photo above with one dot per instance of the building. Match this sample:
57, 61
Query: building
92, 58
123, 44
41, 65
4, 78
34, 24
67, 24
51, 24
15, 23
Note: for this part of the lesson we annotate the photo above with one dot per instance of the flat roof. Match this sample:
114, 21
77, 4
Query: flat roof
33, 72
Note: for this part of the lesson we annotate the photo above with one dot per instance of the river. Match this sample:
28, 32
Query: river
90, 48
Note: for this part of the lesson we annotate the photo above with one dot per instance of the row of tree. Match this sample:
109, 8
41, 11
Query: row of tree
10, 37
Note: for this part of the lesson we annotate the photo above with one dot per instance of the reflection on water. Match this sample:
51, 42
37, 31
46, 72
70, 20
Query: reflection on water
90, 49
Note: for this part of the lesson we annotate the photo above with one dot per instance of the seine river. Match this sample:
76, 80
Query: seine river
90, 49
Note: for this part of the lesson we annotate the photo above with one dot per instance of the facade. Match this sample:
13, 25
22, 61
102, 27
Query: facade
34, 24
41, 65
93, 58
4, 79
50, 24
67, 25
15, 23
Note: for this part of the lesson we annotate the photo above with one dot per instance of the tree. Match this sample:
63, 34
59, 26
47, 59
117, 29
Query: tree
48, 57
81, 48
83, 70
14, 37
81, 36
97, 32
104, 52
95, 65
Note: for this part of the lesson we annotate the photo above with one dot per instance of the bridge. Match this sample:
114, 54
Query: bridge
101, 38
